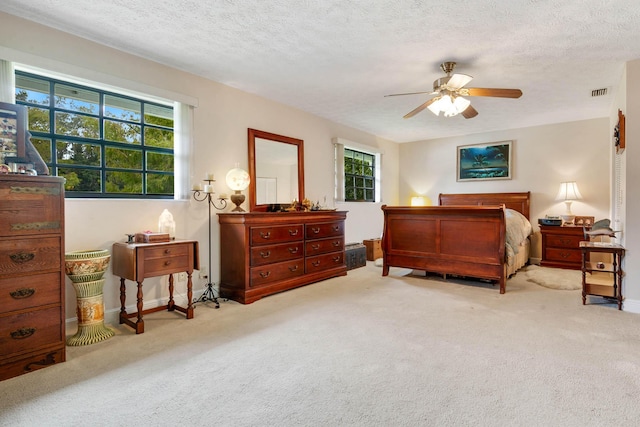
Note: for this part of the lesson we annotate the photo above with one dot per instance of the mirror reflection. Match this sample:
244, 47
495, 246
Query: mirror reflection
276, 169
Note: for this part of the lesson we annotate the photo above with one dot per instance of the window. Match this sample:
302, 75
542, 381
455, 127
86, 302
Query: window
104, 144
359, 176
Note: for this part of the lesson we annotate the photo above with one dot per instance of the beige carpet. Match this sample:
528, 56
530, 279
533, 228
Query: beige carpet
553, 278
360, 350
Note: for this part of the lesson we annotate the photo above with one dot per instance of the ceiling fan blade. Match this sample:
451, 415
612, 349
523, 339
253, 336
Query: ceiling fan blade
458, 80
410, 93
421, 107
499, 93
469, 112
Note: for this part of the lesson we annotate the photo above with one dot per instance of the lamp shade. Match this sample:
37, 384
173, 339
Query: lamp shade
238, 179
568, 191
420, 201
449, 105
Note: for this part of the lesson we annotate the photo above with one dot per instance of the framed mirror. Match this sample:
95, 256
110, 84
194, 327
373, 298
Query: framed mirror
276, 167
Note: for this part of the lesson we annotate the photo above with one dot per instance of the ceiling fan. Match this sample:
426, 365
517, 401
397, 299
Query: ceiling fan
449, 91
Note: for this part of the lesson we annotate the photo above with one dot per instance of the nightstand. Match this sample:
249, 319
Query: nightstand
561, 246
602, 278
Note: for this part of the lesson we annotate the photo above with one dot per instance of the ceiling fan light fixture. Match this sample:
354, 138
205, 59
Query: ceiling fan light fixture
450, 105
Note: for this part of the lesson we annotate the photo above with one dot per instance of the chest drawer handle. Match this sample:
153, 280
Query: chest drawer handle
167, 263
265, 274
23, 333
315, 230
293, 250
336, 259
315, 246
565, 242
22, 257
265, 254
22, 293
294, 268
336, 243
336, 227
266, 235
315, 263
293, 232
167, 251
565, 254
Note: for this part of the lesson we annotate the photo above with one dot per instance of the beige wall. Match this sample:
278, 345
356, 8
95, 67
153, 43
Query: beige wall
543, 157
220, 140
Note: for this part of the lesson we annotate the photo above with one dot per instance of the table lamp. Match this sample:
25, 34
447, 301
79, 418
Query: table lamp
237, 180
568, 192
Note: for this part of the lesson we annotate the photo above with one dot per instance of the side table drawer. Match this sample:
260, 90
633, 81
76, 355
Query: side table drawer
563, 241
166, 251
563, 255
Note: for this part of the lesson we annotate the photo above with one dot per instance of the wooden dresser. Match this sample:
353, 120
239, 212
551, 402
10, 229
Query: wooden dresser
561, 246
32, 328
262, 253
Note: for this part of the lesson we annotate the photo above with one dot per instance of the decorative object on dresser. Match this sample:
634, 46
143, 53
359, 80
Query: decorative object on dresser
138, 261
16, 147
465, 236
568, 192
206, 194
32, 277
602, 278
86, 270
355, 255
560, 246
267, 252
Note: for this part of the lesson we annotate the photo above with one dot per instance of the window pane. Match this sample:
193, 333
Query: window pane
76, 99
369, 195
124, 182
39, 119
350, 193
154, 137
158, 115
123, 159
78, 153
77, 125
86, 180
43, 145
122, 108
368, 183
359, 194
160, 162
32, 90
359, 181
159, 183
122, 132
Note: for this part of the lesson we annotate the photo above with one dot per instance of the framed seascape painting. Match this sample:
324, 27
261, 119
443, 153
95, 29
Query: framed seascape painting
484, 161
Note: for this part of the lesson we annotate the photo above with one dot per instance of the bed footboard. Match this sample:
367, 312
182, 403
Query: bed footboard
458, 240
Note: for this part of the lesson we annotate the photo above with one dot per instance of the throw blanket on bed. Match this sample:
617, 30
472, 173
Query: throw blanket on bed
518, 229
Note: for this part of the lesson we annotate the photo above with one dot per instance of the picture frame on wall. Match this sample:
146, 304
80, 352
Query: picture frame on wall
481, 162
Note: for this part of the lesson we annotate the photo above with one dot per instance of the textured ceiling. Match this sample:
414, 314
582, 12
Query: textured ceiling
337, 59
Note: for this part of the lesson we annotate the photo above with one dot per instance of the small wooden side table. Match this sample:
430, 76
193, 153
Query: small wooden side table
137, 261
602, 278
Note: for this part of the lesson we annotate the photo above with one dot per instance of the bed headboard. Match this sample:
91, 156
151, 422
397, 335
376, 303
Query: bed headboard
517, 201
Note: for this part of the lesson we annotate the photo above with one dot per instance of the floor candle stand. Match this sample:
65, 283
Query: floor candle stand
202, 194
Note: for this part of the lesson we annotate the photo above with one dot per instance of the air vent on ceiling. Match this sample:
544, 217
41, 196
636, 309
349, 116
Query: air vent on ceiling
599, 92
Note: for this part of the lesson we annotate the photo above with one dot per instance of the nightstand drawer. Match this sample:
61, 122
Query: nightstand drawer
562, 255
564, 241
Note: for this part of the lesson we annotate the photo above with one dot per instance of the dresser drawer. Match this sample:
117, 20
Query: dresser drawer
24, 292
323, 246
279, 234
22, 332
30, 208
324, 262
563, 255
563, 241
30, 255
32, 363
324, 229
261, 255
271, 273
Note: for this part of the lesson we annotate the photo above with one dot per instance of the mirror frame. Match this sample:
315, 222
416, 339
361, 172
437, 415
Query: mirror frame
299, 143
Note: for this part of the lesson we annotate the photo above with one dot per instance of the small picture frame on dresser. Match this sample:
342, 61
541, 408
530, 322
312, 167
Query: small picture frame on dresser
584, 221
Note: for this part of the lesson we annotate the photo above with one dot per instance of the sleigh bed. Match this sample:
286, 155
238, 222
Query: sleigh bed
482, 236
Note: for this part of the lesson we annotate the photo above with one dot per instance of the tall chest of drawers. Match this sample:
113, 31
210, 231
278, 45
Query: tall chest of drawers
262, 253
32, 329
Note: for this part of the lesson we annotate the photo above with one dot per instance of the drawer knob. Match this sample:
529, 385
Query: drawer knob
22, 257
22, 333
167, 263
294, 250
293, 232
266, 235
265, 274
336, 243
294, 268
315, 230
167, 251
265, 254
315, 263
22, 293
336, 227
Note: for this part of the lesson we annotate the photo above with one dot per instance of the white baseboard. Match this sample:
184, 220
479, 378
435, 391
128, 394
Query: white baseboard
632, 306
